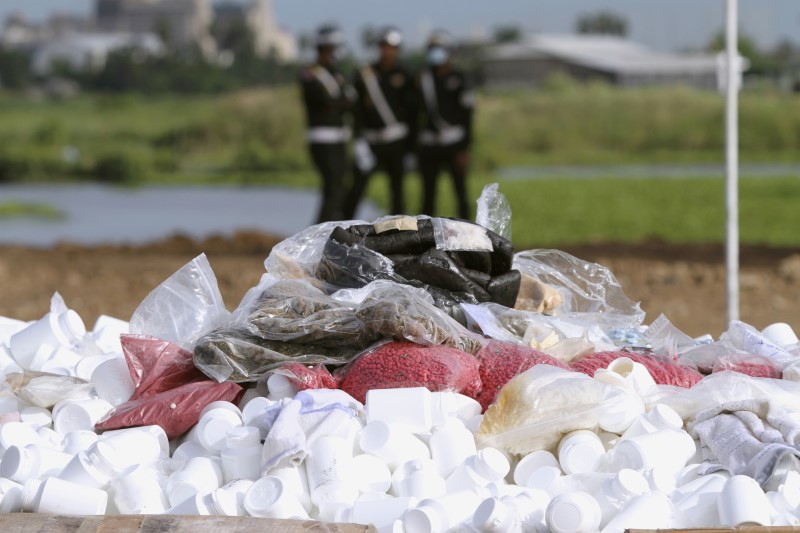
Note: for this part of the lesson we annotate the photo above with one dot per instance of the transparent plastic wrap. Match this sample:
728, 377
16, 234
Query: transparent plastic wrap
458, 235
664, 371
584, 287
538, 407
746, 338
494, 211
295, 311
183, 307
45, 390
500, 361
402, 312
234, 354
298, 256
400, 364
663, 337
756, 366
170, 391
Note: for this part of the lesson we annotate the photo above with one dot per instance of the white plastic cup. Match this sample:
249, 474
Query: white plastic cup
495, 516
254, 414
79, 440
532, 462
660, 479
241, 456
106, 333
269, 498
648, 511
280, 387
580, 451
217, 502
546, 478
55, 360
58, 496
200, 475
135, 447
573, 512
696, 502
781, 334
87, 365
186, 451
418, 479
449, 404
329, 459
112, 381
441, 514
488, 465
93, 467
80, 414
635, 375
49, 438
371, 474
141, 491
56, 329
406, 408
238, 488
16, 434
666, 448
31, 462
616, 417
215, 421
660, 418
295, 480
616, 492
394, 445
743, 503
36, 417
154, 430
381, 513
7, 363
10, 496
451, 445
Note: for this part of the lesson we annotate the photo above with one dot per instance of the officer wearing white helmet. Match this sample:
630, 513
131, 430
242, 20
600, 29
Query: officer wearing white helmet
327, 99
445, 128
384, 120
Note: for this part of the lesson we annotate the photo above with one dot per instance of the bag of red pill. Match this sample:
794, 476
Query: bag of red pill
757, 366
399, 364
663, 370
500, 361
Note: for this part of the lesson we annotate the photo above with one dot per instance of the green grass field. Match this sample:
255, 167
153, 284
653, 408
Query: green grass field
256, 137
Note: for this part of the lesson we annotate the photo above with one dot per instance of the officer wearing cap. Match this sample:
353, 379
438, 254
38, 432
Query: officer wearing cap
445, 129
327, 99
384, 120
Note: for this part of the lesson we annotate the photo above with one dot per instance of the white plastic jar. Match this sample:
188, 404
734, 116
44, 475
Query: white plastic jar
241, 456
56, 329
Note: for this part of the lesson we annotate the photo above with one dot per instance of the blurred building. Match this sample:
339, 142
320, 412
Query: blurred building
259, 17
180, 23
20, 33
89, 51
594, 57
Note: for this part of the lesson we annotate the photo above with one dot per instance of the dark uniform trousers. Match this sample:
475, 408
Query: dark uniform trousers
388, 158
330, 160
432, 160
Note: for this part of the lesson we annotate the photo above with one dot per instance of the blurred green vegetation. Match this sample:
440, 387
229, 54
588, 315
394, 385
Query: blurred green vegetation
16, 209
255, 137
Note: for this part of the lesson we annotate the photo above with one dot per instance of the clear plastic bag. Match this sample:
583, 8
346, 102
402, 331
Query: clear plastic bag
585, 287
400, 364
46, 390
494, 211
402, 312
458, 235
539, 406
756, 366
664, 371
500, 361
183, 307
746, 338
157, 365
303, 377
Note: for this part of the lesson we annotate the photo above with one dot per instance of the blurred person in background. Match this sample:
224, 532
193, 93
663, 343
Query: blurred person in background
445, 124
384, 120
327, 99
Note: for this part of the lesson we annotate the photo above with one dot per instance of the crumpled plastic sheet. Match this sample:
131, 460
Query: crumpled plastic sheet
494, 211
585, 287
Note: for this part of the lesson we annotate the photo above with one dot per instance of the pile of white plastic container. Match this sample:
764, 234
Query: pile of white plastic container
408, 460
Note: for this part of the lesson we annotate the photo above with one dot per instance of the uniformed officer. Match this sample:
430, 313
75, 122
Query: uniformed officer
327, 99
384, 120
445, 125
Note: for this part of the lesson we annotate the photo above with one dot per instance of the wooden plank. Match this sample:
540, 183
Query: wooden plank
44, 523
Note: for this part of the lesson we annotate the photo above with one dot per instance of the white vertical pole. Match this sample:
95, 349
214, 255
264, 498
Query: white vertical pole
732, 160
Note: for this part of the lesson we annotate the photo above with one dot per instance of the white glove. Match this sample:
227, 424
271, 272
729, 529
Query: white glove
365, 159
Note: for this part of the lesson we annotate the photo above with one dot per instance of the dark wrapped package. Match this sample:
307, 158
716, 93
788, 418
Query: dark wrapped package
503, 289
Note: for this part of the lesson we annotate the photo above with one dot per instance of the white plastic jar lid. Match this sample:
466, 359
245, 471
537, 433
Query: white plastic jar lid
262, 495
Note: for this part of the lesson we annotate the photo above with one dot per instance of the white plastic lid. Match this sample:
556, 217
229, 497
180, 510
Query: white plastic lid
491, 464
573, 512
279, 386
221, 404
12, 500
72, 326
262, 495
214, 426
243, 437
630, 483
542, 478
17, 434
492, 515
665, 417
531, 462
219, 502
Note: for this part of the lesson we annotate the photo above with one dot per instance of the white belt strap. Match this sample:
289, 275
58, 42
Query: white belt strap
327, 135
429, 93
391, 133
444, 137
377, 96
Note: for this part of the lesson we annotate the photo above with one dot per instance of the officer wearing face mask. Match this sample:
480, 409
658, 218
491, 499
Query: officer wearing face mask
445, 129
327, 99
384, 120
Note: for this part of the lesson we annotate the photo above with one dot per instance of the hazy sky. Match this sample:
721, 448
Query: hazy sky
664, 24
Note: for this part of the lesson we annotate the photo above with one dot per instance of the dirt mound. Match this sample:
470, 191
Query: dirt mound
685, 282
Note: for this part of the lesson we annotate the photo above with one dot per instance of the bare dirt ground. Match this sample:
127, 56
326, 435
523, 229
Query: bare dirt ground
685, 282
